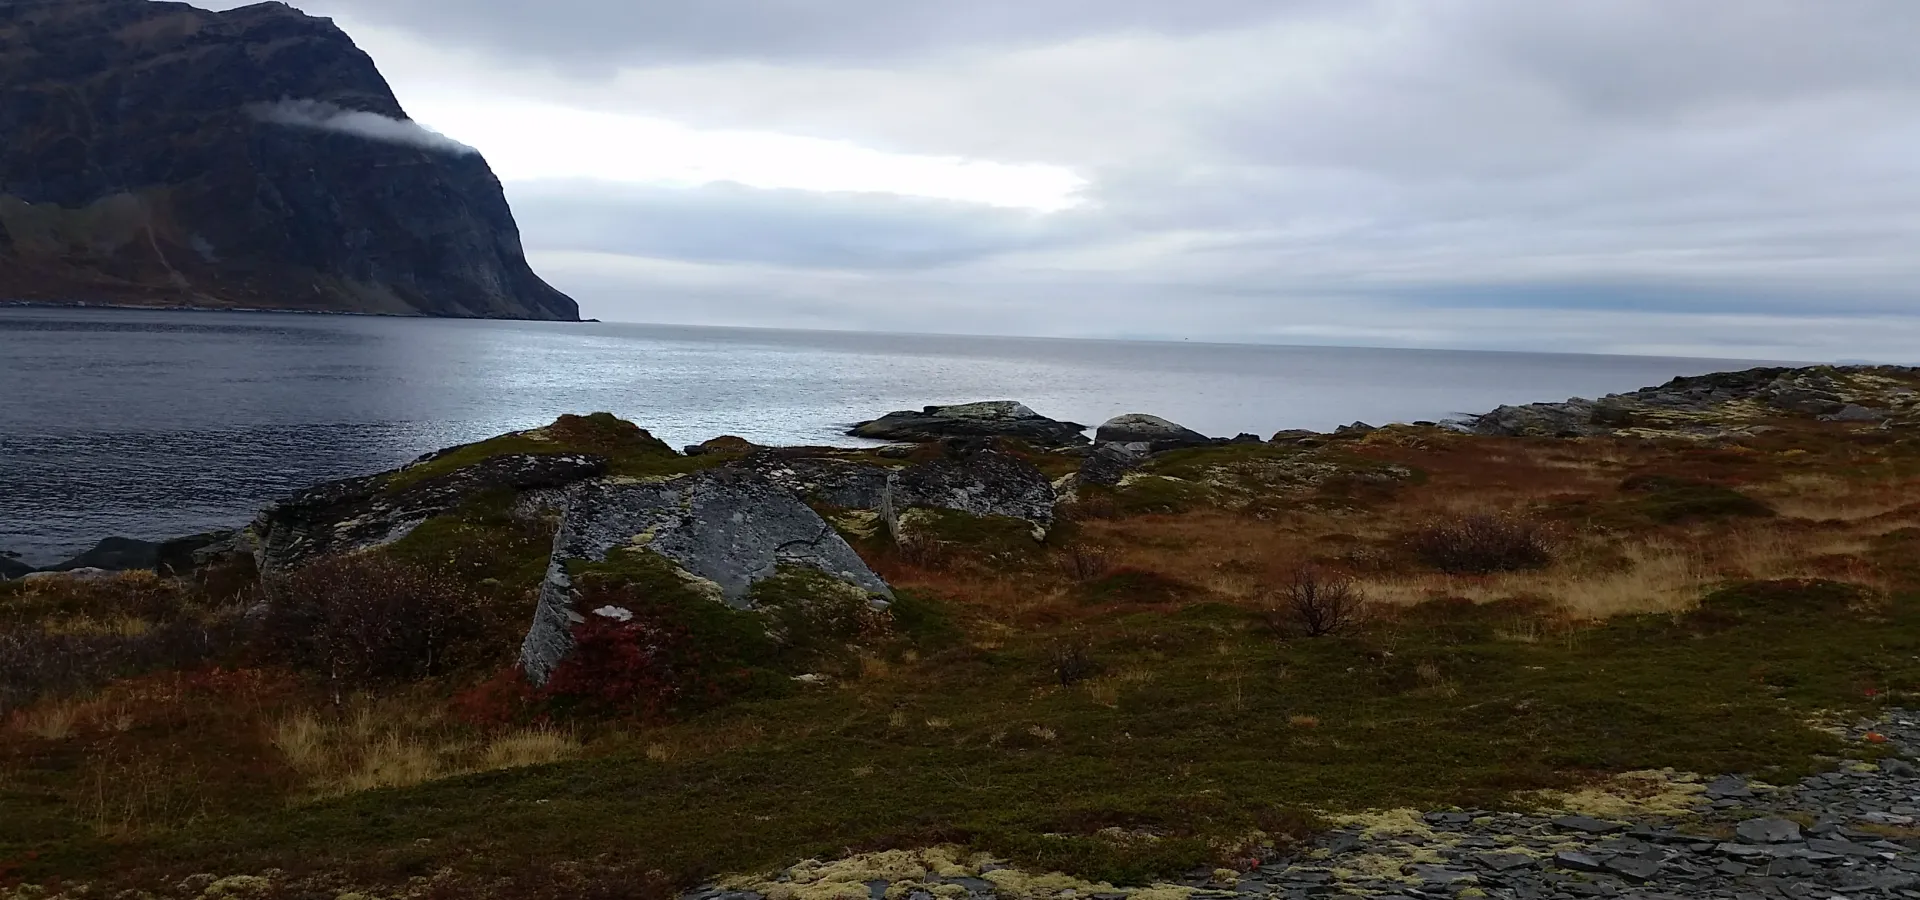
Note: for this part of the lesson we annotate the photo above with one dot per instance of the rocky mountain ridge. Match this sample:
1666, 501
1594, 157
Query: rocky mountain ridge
167, 156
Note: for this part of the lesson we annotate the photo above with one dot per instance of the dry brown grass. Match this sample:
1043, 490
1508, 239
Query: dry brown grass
392, 743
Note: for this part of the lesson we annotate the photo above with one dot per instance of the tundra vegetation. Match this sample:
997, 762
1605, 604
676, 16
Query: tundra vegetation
1235, 646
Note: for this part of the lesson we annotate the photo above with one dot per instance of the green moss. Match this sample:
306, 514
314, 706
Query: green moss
1002, 538
628, 448
923, 621
1149, 495
1671, 499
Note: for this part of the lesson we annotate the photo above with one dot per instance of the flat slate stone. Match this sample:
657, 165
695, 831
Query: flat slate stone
1769, 830
1588, 825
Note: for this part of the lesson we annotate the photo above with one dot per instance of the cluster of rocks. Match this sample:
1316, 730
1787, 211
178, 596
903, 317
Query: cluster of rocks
178, 556
1841, 834
1722, 404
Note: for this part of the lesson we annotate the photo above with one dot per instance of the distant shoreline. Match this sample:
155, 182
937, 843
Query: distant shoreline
136, 307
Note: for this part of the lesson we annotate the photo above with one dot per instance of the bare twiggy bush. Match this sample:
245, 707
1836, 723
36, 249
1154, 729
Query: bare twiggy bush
1072, 660
1316, 602
1482, 544
364, 619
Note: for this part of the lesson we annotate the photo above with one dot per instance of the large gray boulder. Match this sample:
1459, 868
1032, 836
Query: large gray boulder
984, 483
724, 529
1140, 428
996, 418
361, 513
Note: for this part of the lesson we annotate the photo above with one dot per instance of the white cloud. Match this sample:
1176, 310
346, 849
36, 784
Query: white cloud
321, 116
526, 141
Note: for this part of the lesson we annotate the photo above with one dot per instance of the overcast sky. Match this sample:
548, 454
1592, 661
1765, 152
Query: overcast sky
1693, 177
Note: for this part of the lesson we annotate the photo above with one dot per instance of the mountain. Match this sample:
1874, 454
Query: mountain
161, 155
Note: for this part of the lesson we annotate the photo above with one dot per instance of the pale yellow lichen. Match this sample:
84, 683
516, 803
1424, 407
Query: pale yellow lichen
1387, 823
1661, 792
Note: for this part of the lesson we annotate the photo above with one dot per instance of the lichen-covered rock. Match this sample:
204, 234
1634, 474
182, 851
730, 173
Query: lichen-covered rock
724, 529
1720, 404
823, 480
985, 484
360, 513
996, 418
1142, 428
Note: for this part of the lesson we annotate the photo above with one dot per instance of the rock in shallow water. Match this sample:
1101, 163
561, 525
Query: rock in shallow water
114, 554
1143, 428
994, 418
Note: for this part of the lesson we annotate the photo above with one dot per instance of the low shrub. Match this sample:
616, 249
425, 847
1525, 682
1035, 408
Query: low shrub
1316, 603
641, 668
1072, 660
364, 619
1482, 544
1669, 499
36, 663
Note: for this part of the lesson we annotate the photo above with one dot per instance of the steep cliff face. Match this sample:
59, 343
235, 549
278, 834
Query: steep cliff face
159, 154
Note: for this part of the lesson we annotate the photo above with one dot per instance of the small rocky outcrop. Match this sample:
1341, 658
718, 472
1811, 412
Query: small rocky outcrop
724, 444
997, 418
359, 513
186, 555
984, 484
114, 554
11, 567
1110, 461
723, 530
1140, 428
1721, 404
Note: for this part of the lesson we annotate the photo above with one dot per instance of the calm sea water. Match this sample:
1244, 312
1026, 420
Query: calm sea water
158, 424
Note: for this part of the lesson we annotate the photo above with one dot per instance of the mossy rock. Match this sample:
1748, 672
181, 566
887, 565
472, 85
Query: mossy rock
1670, 499
629, 450
1141, 494
994, 537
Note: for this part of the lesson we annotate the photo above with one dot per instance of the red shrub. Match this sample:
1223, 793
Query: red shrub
639, 668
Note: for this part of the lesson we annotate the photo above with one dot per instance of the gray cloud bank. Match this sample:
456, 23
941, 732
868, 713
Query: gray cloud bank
1687, 176
321, 116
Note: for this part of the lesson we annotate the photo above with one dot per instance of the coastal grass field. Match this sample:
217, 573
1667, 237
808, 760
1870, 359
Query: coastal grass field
1134, 698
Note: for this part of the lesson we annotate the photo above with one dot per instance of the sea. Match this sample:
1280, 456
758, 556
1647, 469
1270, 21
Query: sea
156, 424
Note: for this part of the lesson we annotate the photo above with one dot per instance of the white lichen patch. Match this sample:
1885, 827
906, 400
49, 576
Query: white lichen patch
1653, 792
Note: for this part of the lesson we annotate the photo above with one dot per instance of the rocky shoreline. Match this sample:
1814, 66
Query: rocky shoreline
1717, 407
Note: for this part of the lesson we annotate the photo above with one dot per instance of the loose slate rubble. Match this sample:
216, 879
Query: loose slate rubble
1747, 843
